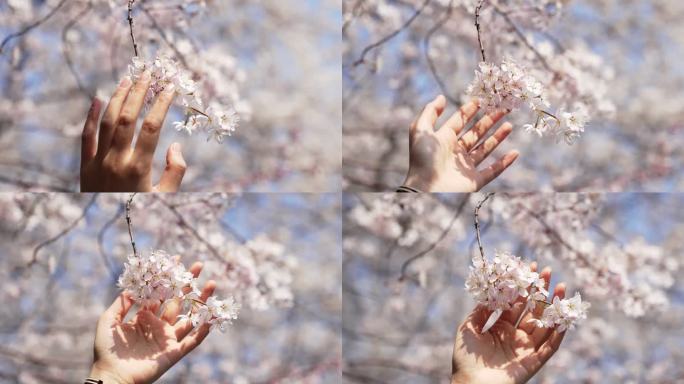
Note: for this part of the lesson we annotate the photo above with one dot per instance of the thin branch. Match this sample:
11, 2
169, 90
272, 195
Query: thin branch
66, 230
128, 222
477, 223
412, 259
389, 37
29, 27
477, 26
130, 24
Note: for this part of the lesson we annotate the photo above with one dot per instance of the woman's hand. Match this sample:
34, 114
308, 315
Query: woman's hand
504, 354
441, 162
109, 163
142, 349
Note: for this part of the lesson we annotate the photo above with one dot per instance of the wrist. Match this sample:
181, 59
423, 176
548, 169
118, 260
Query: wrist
457, 378
106, 375
416, 183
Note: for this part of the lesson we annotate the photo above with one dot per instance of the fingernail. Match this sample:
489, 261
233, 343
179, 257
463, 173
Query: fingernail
125, 82
170, 89
146, 75
175, 147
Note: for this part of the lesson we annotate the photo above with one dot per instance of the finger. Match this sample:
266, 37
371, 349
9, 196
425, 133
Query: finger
151, 127
428, 118
174, 307
480, 129
89, 135
541, 335
192, 341
493, 171
485, 149
125, 127
119, 308
111, 116
461, 117
170, 180
183, 328
550, 347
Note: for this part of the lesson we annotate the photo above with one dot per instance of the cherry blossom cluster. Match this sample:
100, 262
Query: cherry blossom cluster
508, 87
563, 313
216, 121
155, 278
501, 282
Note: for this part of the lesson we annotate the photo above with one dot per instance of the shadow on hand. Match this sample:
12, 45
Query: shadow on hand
145, 337
503, 347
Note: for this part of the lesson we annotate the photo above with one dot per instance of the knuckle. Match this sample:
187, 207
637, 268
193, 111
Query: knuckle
107, 123
178, 167
109, 165
150, 126
126, 119
138, 169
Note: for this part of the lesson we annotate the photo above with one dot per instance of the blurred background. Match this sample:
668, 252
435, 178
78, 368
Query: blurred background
617, 57
276, 61
406, 258
62, 254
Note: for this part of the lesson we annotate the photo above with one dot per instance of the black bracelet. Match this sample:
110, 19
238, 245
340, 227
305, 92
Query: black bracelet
405, 189
93, 381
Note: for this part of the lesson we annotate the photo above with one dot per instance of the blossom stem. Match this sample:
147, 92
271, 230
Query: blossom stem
477, 223
129, 223
130, 24
477, 26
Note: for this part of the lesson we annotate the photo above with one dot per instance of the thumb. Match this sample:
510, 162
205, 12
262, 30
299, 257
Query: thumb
170, 180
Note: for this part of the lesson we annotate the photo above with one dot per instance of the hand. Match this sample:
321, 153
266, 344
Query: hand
441, 162
504, 354
109, 163
141, 350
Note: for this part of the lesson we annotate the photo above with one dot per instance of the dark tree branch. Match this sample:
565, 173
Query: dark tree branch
128, 222
477, 223
477, 26
130, 25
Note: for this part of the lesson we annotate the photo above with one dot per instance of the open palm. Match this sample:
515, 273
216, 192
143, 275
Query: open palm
504, 354
142, 349
445, 160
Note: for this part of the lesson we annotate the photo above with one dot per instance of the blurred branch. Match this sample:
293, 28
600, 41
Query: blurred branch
66, 230
477, 223
31, 26
522, 37
412, 259
100, 241
392, 35
66, 51
430, 62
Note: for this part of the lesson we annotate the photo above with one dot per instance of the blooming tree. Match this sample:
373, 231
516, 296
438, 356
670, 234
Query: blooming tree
401, 301
67, 256
569, 70
226, 62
